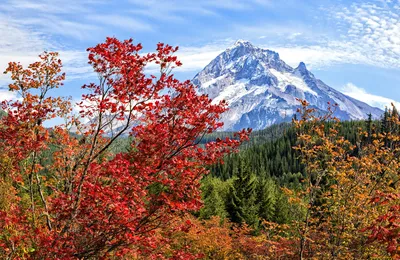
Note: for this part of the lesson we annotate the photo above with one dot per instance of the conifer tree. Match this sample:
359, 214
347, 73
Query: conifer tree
384, 121
242, 197
214, 195
369, 129
266, 197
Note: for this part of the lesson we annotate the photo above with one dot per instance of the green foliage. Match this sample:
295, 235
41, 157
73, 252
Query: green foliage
256, 137
121, 145
283, 213
244, 198
267, 197
271, 157
2, 113
242, 203
214, 194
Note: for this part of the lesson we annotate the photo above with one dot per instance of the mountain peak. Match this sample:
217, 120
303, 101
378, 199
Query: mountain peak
244, 43
302, 69
243, 47
302, 66
241, 41
261, 89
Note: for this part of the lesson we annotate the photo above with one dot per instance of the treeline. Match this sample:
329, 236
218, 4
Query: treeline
275, 157
256, 137
246, 186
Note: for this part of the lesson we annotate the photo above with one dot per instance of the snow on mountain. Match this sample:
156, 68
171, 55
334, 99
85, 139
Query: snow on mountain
261, 89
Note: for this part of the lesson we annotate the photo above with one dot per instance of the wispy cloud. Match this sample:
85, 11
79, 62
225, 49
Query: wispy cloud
273, 31
196, 58
55, 17
31, 6
21, 44
121, 21
361, 33
361, 94
18, 44
317, 57
50, 6
372, 30
176, 10
80, 19
77, 19
76, 65
52, 25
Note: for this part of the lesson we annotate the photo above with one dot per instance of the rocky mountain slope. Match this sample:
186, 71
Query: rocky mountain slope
261, 89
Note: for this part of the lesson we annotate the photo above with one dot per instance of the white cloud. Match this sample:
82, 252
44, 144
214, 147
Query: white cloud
7, 95
371, 31
78, 19
359, 34
176, 10
21, 44
75, 65
25, 36
52, 17
50, 6
317, 57
369, 35
17, 44
196, 58
52, 25
294, 35
273, 32
121, 21
361, 94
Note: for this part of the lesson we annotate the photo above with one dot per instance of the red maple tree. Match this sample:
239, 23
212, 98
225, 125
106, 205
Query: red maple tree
79, 201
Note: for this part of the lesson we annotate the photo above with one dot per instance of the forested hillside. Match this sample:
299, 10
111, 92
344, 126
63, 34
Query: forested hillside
262, 167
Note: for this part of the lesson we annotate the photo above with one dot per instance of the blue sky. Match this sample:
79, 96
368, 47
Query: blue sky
353, 46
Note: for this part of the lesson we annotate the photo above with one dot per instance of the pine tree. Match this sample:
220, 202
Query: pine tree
241, 201
213, 194
282, 214
267, 196
369, 128
385, 121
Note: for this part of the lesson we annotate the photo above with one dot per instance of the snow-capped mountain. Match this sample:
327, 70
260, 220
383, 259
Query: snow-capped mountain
261, 89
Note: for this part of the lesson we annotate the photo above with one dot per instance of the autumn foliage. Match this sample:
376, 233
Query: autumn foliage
64, 196
349, 201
